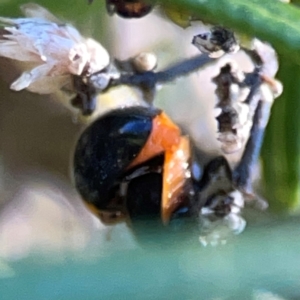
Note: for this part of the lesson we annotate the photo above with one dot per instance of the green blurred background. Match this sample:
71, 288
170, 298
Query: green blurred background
52, 248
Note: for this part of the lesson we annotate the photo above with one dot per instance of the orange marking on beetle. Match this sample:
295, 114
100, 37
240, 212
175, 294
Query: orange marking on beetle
175, 173
164, 136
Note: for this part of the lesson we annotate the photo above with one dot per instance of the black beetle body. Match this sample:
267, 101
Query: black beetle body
106, 148
133, 162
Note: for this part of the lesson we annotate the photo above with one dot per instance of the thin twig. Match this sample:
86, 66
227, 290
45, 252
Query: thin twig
244, 170
150, 79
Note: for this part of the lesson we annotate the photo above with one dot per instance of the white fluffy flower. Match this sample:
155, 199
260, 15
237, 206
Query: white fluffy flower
54, 50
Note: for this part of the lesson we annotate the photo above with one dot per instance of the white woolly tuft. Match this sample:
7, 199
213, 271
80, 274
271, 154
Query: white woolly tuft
54, 48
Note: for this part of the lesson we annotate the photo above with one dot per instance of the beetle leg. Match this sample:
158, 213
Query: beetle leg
243, 172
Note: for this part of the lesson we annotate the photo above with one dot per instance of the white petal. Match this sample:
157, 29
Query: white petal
58, 49
99, 57
28, 77
11, 49
78, 59
49, 84
72, 33
7, 20
52, 47
33, 10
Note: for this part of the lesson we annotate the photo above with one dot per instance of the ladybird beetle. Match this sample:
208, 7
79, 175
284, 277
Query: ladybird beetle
134, 162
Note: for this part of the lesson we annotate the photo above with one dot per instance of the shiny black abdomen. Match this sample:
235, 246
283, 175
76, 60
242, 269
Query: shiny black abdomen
106, 148
144, 196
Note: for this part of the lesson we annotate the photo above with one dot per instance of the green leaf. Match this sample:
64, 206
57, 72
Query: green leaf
281, 151
269, 20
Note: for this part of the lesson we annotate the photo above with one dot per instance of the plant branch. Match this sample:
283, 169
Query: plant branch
244, 170
150, 79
